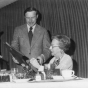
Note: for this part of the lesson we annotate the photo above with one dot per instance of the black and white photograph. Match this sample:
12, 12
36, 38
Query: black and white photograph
43, 43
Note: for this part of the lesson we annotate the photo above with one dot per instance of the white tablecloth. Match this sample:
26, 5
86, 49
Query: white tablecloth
65, 84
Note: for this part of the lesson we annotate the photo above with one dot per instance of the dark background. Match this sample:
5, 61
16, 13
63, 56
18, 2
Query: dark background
69, 17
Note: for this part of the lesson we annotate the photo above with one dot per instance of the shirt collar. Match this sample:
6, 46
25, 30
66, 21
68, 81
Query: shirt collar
32, 27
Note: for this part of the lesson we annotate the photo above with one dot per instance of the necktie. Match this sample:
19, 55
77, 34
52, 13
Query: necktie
30, 34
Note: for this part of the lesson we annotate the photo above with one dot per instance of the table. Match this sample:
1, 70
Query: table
66, 84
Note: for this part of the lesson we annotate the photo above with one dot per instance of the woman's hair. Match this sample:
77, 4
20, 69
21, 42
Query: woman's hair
64, 42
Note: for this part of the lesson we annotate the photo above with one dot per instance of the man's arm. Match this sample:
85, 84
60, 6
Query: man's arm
15, 40
46, 51
46, 46
15, 43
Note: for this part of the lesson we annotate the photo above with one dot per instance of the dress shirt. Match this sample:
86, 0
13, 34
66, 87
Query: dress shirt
33, 28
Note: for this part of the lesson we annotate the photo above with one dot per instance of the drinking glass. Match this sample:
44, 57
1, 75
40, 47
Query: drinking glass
14, 70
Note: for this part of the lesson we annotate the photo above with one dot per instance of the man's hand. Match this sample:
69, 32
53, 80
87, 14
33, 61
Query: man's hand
23, 65
40, 60
15, 60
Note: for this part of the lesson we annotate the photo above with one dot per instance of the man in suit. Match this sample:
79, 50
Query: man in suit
37, 49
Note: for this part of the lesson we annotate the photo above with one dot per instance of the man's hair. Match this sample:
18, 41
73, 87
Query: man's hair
29, 9
64, 42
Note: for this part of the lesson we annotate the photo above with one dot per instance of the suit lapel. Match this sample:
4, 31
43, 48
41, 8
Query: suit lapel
35, 35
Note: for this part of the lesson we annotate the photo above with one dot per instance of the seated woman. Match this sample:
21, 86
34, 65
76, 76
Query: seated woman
60, 44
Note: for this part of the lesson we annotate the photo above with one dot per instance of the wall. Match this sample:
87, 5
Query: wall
68, 17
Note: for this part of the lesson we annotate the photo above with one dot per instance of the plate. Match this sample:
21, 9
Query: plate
69, 78
55, 80
20, 80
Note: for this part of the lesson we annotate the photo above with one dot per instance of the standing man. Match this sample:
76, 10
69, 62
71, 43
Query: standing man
34, 45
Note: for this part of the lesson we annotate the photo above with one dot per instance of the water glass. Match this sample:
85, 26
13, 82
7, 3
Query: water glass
14, 70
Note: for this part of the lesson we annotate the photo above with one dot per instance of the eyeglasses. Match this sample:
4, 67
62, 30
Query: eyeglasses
53, 46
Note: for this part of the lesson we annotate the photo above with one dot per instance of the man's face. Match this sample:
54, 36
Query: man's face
31, 18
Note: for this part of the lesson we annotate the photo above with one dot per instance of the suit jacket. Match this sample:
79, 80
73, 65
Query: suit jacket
40, 42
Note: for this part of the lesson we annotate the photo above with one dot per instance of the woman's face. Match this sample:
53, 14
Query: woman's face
55, 50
